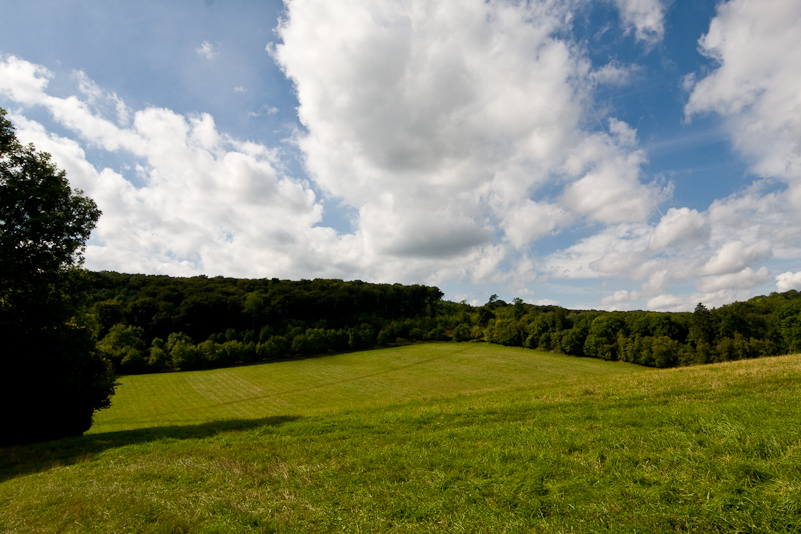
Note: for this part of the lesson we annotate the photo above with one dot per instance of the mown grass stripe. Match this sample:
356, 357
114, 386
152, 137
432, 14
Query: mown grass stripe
335, 382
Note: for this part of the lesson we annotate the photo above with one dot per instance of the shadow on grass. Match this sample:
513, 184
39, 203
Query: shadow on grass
38, 457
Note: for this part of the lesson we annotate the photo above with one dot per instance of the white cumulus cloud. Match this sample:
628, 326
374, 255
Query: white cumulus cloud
744, 279
789, 280
204, 202
458, 135
757, 46
755, 86
440, 123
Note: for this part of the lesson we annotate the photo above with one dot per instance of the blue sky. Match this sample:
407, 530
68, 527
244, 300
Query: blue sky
616, 154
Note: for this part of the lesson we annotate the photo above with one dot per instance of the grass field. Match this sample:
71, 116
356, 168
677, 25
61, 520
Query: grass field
614, 449
335, 382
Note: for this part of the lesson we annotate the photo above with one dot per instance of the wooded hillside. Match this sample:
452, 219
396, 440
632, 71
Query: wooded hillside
146, 323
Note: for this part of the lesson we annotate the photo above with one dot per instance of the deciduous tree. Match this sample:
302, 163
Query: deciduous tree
52, 378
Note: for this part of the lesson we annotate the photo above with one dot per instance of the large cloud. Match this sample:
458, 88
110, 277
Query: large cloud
456, 131
460, 134
756, 87
757, 46
194, 200
442, 122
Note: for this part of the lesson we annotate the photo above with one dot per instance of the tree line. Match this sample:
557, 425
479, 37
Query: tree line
148, 323
762, 326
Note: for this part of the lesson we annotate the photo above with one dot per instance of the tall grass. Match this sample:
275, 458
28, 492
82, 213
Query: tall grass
704, 449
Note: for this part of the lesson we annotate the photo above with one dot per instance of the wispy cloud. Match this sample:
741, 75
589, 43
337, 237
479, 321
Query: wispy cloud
645, 17
207, 50
264, 111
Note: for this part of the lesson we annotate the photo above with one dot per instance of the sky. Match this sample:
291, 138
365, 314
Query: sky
606, 154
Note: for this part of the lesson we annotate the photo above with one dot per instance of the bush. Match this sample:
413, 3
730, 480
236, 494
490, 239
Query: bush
461, 332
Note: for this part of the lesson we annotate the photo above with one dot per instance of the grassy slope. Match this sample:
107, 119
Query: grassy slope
336, 382
704, 449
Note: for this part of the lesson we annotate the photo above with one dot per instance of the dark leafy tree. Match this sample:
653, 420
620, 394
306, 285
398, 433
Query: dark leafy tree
52, 379
702, 333
665, 351
572, 341
602, 338
107, 313
702, 329
504, 332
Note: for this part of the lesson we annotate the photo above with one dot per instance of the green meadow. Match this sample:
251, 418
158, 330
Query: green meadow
427, 438
332, 383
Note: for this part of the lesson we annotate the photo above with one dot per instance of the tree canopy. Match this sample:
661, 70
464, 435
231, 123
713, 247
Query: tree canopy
53, 378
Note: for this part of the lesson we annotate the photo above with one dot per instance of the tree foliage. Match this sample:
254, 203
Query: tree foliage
232, 321
227, 321
53, 378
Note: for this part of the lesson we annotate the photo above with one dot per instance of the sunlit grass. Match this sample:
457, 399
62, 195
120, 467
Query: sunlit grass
335, 382
703, 449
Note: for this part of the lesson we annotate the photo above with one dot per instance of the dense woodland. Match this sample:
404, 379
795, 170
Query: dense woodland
146, 323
